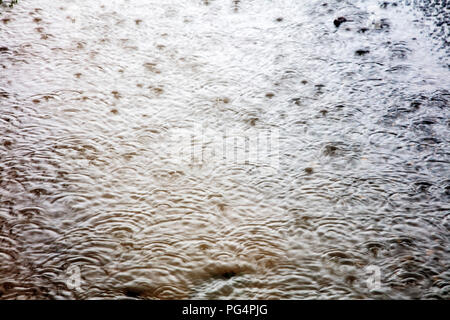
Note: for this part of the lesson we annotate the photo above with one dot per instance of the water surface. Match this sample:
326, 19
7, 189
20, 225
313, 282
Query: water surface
101, 101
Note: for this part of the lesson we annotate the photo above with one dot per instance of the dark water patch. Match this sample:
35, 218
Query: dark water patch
362, 52
338, 21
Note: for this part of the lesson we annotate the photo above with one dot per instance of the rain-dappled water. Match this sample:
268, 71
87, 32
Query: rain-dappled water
107, 108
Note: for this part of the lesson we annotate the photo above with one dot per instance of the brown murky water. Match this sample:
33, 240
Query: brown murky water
101, 101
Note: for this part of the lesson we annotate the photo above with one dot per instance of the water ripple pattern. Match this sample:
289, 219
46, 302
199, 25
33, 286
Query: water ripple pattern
103, 102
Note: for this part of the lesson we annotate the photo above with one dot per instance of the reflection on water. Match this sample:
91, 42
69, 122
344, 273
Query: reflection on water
92, 184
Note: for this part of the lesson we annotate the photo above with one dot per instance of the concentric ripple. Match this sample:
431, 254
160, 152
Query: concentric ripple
114, 114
